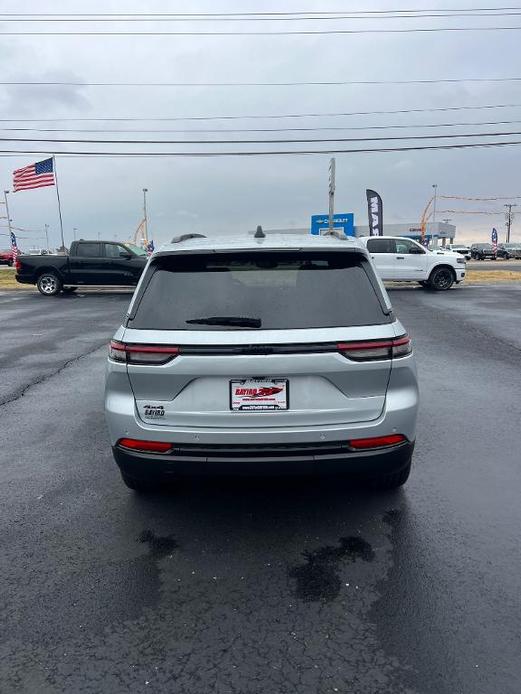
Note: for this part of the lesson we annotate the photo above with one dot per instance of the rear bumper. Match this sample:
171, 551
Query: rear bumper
327, 459
25, 279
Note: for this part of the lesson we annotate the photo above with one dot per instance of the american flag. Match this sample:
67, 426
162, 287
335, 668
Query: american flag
36, 175
14, 246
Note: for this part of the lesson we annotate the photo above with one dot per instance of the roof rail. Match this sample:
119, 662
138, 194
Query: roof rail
187, 237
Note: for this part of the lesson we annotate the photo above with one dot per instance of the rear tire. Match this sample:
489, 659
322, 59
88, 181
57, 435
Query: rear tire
393, 480
49, 284
441, 279
141, 486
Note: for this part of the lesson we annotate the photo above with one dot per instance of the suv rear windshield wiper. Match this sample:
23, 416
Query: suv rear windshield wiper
239, 321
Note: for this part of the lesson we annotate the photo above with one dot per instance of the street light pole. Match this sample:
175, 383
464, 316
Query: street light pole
435, 186
145, 219
332, 186
47, 236
509, 217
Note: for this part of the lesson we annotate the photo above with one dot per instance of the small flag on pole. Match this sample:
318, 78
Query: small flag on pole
14, 246
36, 175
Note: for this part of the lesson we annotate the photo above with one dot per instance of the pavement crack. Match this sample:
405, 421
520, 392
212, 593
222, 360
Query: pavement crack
46, 377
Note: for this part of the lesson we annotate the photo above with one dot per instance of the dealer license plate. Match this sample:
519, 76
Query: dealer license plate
259, 394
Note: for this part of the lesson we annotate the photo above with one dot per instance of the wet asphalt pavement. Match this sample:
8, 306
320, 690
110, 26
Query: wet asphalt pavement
261, 587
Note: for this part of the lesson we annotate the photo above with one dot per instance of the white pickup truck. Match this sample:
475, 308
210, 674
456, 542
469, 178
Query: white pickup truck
404, 260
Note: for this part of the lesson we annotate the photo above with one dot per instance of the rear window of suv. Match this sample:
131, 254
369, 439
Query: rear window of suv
267, 290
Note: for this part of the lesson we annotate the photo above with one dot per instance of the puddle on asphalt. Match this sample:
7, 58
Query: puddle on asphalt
318, 580
160, 546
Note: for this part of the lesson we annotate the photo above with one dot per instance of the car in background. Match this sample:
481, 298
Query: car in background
457, 248
6, 258
482, 251
400, 259
261, 355
509, 250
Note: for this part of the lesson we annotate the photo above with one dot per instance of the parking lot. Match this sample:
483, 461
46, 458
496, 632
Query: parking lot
270, 586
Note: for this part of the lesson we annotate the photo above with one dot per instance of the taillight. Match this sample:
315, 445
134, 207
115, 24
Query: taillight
141, 354
145, 446
376, 350
377, 442
402, 346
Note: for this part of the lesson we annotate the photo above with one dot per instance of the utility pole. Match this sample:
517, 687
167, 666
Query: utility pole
509, 216
332, 172
46, 226
145, 218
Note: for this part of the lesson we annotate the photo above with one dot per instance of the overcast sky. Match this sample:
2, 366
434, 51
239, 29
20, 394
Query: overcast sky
222, 194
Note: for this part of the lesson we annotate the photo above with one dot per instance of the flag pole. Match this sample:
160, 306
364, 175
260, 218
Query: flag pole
58, 197
7, 212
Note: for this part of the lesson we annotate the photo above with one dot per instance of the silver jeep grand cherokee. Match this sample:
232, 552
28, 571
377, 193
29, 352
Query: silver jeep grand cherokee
264, 354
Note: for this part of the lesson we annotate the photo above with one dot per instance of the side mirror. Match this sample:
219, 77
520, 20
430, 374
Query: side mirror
125, 254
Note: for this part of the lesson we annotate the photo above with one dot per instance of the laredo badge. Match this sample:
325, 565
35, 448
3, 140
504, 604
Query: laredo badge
154, 411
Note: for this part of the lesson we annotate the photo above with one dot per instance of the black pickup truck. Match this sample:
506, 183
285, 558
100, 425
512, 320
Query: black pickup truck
88, 263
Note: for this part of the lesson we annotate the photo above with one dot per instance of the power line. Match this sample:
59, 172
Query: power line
251, 142
409, 126
317, 83
415, 148
260, 117
462, 197
266, 17
330, 32
491, 212
185, 15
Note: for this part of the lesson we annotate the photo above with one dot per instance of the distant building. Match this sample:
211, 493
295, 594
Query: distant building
437, 233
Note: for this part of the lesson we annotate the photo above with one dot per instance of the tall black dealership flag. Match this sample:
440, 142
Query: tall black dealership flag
375, 209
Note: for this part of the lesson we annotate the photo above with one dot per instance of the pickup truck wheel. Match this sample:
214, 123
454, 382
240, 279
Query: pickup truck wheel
49, 284
441, 279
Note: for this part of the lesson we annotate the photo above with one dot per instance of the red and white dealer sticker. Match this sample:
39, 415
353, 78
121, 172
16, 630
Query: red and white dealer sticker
259, 394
